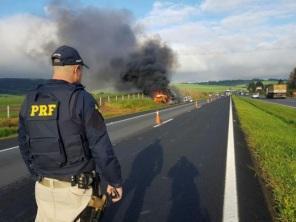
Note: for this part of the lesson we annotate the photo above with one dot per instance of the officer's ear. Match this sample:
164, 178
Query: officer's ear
77, 69
77, 73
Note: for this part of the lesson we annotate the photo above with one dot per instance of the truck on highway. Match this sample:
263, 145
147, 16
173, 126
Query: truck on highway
276, 91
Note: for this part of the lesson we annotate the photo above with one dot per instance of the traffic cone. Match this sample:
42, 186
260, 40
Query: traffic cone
196, 105
157, 118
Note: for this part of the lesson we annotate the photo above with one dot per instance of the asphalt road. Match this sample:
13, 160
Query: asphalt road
174, 172
287, 102
12, 167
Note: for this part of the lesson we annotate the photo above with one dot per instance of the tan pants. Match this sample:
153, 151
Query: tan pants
58, 201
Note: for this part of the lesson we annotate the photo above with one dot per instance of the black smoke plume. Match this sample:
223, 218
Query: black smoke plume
108, 41
149, 68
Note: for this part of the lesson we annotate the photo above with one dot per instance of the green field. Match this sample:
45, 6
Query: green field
125, 107
270, 132
209, 88
198, 91
267, 82
109, 108
287, 115
10, 100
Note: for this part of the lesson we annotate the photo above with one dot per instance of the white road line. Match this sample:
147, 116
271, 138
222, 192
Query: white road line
131, 118
230, 205
164, 122
119, 121
11, 148
146, 114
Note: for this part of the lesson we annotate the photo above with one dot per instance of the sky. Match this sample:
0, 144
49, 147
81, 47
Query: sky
213, 39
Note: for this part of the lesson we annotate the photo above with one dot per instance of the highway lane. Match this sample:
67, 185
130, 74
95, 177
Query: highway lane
140, 120
287, 102
12, 164
175, 172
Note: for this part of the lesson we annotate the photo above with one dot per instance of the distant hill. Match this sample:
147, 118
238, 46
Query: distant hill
238, 82
226, 82
18, 86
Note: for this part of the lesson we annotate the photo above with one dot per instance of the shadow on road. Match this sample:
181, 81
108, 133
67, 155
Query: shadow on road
17, 201
147, 164
184, 194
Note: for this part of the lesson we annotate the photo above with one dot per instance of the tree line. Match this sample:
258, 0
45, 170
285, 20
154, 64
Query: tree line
292, 80
257, 83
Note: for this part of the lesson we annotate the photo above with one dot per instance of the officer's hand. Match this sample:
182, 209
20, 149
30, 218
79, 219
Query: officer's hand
115, 193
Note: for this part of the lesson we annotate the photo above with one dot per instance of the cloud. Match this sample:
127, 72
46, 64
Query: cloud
105, 38
251, 40
22, 37
225, 5
167, 13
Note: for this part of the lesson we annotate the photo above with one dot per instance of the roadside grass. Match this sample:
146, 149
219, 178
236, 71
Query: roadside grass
267, 82
126, 107
14, 103
284, 113
272, 141
209, 88
198, 91
11, 122
11, 99
8, 126
7, 131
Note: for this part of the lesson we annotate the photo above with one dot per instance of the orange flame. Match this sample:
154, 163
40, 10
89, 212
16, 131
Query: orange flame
160, 97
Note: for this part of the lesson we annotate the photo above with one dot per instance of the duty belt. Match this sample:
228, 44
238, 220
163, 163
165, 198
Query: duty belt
53, 183
83, 180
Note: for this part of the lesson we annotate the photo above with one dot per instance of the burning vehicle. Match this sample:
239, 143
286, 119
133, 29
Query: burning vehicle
161, 98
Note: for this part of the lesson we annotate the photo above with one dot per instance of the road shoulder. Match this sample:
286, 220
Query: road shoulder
254, 201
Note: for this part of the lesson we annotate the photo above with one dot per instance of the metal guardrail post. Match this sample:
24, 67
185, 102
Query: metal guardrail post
8, 111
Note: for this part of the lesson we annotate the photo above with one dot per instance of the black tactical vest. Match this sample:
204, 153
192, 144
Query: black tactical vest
56, 140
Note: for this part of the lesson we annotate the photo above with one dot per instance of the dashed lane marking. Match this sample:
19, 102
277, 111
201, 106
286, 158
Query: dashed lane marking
148, 114
120, 121
164, 122
11, 148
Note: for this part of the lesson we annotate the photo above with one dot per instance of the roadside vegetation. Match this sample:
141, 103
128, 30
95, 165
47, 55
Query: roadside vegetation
112, 105
202, 91
120, 108
292, 83
270, 133
282, 112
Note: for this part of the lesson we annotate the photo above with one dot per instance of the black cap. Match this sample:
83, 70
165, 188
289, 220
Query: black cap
66, 55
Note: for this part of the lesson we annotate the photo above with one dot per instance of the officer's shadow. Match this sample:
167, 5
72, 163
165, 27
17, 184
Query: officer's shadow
146, 166
184, 194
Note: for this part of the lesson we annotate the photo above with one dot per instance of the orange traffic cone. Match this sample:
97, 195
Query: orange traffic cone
196, 105
157, 118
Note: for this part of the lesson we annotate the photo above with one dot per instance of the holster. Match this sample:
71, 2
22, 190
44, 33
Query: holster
95, 208
98, 203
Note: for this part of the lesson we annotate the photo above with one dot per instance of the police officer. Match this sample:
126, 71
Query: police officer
63, 141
